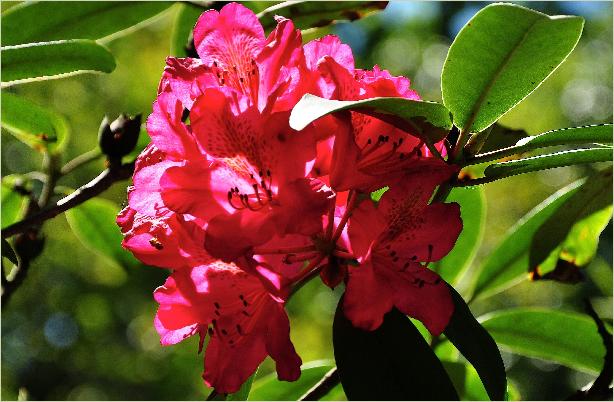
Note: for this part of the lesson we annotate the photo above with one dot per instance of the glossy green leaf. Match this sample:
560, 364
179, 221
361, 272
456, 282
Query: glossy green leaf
33, 125
600, 134
509, 262
572, 232
428, 120
12, 204
308, 14
31, 22
182, 27
477, 346
392, 362
269, 388
499, 57
48, 60
473, 214
550, 161
8, 252
243, 393
564, 337
93, 223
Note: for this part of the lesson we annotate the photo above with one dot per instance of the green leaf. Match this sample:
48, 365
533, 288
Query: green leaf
33, 125
550, 161
243, 392
47, 60
499, 57
564, 337
572, 232
509, 262
428, 120
43, 21
308, 14
599, 134
477, 346
12, 204
335, 394
8, 252
269, 388
93, 223
182, 27
391, 363
473, 214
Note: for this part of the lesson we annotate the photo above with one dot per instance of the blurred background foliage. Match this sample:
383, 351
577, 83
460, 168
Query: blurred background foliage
81, 326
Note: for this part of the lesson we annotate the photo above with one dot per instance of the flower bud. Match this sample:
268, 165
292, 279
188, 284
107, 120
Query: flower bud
119, 138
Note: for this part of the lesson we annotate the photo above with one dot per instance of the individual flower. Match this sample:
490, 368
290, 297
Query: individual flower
391, 242
252, 168
244, 323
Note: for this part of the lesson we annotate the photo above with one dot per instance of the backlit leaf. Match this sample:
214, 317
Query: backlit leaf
564, 337
499, 57
48, 60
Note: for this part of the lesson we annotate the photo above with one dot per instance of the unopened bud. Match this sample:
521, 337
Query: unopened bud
119, 138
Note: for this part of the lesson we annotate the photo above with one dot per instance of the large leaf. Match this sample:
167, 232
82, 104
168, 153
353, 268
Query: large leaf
473, 214
34, 125
600, 134
572, 232
308, 14
391, 363
46, 60
550, 161
93, 222
509, 262
269, 388
477, 346
503, 53
182, 27
243, 392
31, 22
564, 337
428, 120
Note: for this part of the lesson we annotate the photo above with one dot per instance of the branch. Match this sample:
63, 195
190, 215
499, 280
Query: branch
103, 181
323, 387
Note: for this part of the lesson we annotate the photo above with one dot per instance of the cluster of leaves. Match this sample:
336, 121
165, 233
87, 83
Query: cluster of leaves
503, 54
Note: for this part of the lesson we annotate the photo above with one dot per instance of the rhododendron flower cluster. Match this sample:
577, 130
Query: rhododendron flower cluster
243, 209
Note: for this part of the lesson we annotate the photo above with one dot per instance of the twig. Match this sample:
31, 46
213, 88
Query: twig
103, 181
323, 387
80, 160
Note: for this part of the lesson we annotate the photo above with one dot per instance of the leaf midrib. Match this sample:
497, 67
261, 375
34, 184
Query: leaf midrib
491, 83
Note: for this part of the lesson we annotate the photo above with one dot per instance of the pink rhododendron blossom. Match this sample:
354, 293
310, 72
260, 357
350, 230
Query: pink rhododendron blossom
244, 322
391, 242
245, 210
